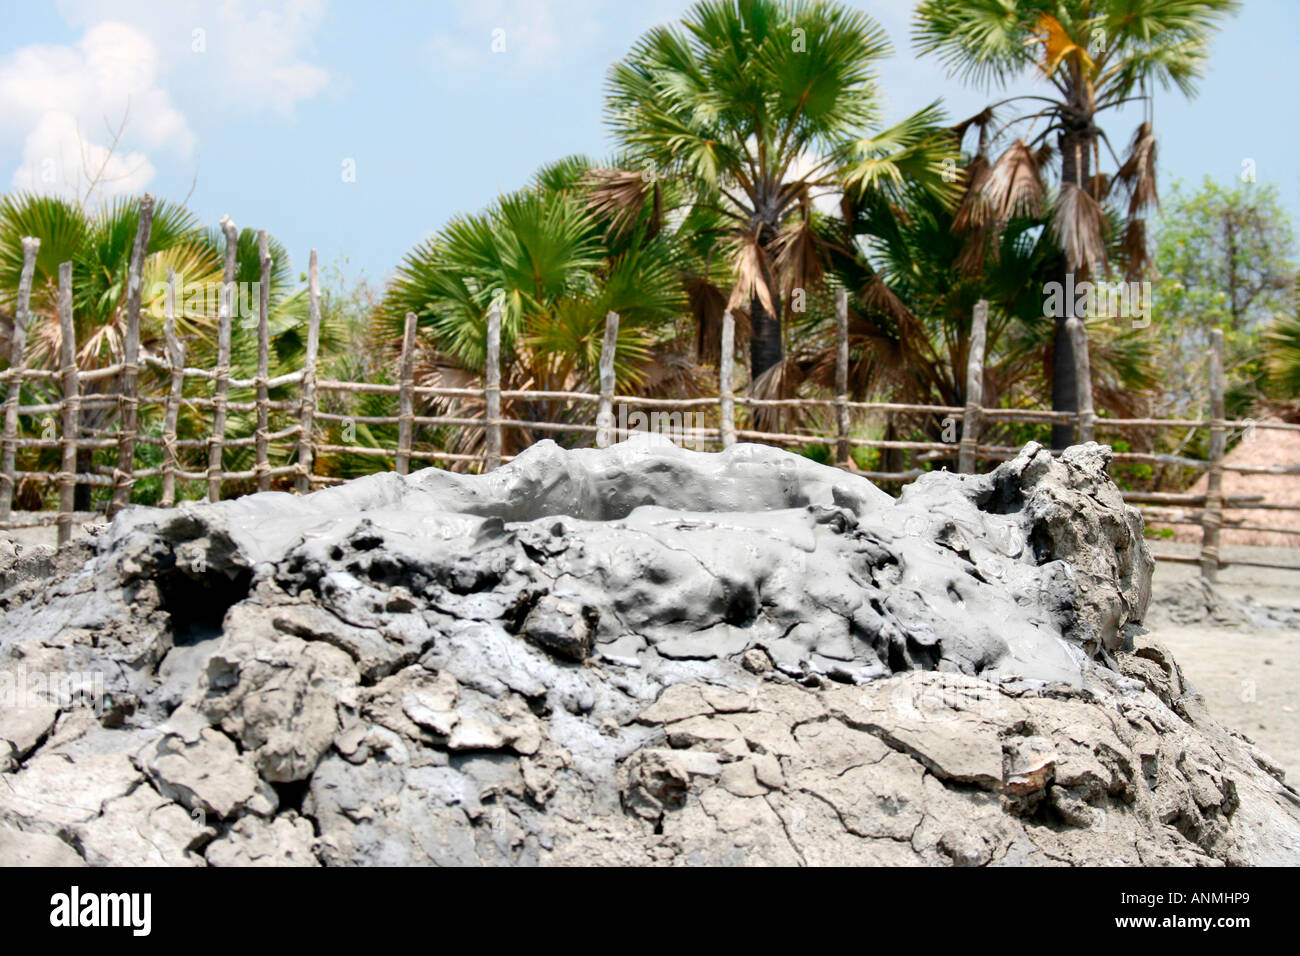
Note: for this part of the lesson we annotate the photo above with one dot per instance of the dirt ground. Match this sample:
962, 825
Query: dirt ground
1249, 674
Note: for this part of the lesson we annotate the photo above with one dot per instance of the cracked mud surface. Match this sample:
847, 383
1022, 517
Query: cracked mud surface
629, 656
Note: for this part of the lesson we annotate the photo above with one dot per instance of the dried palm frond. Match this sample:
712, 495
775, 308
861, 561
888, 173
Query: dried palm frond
1015, 183
754, 274
915, 350
106, 344
982, 119
781, 381
1138, 262
800, 258
1079, 226
887, 345
848, 207
45, 341
1044, 155
442, 371
707, 306
619, 195
876, 295
975, 211
902, 214
673, 372
1138, 172
881, 358
980, 247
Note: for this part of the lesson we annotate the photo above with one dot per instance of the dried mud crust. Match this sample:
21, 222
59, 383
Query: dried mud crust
628, 656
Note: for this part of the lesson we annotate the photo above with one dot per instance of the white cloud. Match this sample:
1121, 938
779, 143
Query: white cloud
231, 54
262, 53
517, 34
69, 102
134, 59
58, 160
113, 67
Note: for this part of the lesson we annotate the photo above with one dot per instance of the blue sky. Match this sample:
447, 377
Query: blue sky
260, 107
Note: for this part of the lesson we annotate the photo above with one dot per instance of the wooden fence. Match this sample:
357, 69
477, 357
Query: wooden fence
307, 415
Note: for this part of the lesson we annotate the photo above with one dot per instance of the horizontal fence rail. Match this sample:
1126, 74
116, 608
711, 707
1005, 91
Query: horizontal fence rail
293, 427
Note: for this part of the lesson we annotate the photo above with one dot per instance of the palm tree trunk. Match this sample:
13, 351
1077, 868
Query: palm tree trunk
1076, 148
85, 464
765, 347
891, 459
1065, 386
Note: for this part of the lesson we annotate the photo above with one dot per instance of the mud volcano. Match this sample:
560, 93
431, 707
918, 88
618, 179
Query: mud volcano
628, 656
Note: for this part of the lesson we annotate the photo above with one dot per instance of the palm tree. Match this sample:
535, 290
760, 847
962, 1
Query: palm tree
554, 268
99, 246
99, 243
755, 106
1094, 56
910, 310
916, 301
1282, 350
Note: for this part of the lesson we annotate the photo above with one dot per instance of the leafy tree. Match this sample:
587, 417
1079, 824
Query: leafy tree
1225, 258
1224, 255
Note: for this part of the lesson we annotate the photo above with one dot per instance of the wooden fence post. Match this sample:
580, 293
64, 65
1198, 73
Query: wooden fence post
17, 363
842, 376
128, 395
1212, 518
306, 453
492, 391
175, 358
726, 395
261, 441
405, 401
221, 374
71, 406
605, 435
970, 419
1082, 379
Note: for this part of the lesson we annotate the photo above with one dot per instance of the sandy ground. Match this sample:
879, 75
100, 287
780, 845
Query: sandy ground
1249, 675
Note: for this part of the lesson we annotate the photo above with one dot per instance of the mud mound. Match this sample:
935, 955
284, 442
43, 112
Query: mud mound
634, 655
1196, 601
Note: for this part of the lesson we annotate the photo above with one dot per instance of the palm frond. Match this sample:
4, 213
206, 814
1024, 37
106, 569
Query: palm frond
754, 273
800, 259
1138, 171
1282, 350
619, 195
1079, 227
781, 381
1015, 185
